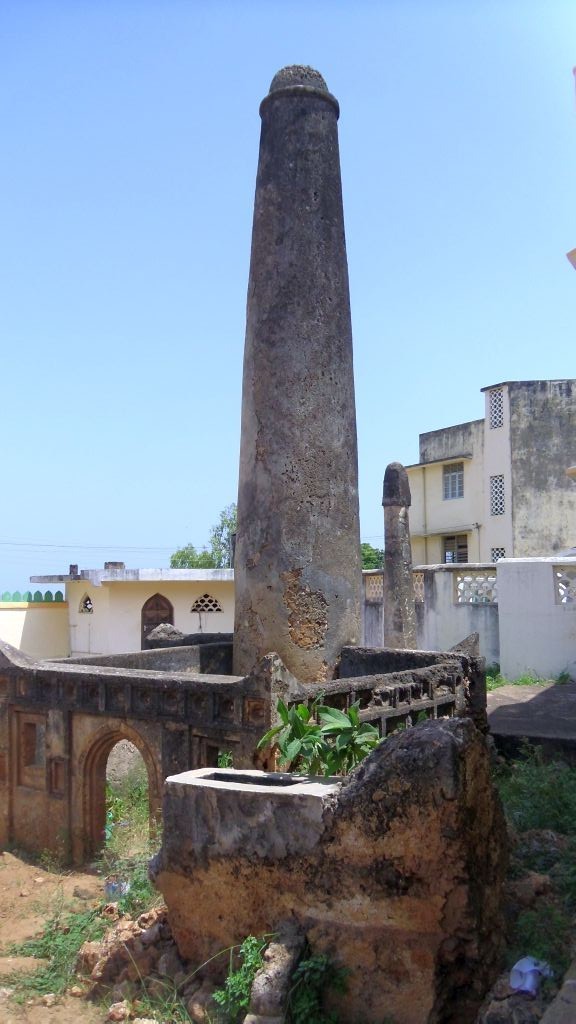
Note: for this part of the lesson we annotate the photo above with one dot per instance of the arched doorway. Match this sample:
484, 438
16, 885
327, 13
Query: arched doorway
157, 609
94, 786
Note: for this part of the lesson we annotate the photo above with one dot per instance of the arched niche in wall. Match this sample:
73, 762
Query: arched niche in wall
156, 610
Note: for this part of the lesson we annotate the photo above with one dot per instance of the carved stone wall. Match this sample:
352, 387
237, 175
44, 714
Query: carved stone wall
60, 720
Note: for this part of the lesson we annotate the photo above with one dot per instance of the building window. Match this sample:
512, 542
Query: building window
456, 548
497, 553
206, 603
86, 605
496, 408
453, 481
497, 505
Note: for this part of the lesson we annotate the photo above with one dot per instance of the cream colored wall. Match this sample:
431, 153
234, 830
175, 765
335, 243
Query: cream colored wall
432, 517
39, 629
114, 626
88, 630
497, 530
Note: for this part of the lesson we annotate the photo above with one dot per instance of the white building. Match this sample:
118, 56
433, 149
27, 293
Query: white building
497, 487
111, 610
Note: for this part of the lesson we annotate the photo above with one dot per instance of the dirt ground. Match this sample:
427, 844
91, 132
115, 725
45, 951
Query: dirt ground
28, 896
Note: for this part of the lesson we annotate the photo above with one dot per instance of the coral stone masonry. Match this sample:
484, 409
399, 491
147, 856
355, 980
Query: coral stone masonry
395, 872
297, 563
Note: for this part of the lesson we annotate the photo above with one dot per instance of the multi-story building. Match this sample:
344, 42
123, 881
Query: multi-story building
498, 487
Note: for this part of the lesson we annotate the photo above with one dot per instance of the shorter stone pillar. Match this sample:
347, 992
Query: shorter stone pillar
399, 610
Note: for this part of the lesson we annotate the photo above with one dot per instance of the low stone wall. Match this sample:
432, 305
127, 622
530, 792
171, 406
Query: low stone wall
60, 720
396, 873
212, 656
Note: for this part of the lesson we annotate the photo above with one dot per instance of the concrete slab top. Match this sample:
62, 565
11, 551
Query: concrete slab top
252, 781
547, 711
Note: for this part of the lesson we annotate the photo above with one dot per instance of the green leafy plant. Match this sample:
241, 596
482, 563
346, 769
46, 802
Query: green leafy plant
234, 996
314, 739
313, 977
225, 759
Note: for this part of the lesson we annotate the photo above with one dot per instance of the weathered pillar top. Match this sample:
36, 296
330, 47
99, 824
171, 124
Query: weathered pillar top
396, 486
297, 79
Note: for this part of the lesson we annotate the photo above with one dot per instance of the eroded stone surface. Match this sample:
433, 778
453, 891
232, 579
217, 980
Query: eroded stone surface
402, 885
297, 560
399, 610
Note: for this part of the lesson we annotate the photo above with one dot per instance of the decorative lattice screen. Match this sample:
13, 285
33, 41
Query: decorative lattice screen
497, 553
374, 588
565, 584
476, 587
496, 408
206, 603
497, 506
418, 579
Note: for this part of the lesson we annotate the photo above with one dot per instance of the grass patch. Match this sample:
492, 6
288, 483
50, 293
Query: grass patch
539, 800
124, 863
495, 679
59, 943
538, 795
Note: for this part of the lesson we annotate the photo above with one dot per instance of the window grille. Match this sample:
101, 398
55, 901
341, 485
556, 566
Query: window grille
206, 603
497, 507
374, 588
497, 553
476, 588
456, 548
453, 481
86, 605
496, 408
565, 584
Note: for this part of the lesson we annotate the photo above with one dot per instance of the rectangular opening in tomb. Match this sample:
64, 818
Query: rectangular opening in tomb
33, 734
57, 776
32, 751
276, 779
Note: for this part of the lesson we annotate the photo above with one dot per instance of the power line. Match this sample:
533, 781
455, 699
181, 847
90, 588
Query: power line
39, 545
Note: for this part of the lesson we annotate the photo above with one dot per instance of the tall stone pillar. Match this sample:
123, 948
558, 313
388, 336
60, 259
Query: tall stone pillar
399, 609
297, 564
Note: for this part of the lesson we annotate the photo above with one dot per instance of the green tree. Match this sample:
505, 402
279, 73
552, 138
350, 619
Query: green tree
221, 537
218, 555
372, 558
189, 558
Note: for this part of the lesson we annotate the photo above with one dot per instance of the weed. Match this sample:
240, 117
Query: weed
127, 814
225, 759
540, 798
538, 795
234, 996
59, 943
495, 679
546, 933
312, 978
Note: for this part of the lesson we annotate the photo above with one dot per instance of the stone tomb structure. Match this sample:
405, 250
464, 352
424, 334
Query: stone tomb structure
179, 706
395, 873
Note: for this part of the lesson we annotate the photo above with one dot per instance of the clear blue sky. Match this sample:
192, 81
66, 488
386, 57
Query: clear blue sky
130, 140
